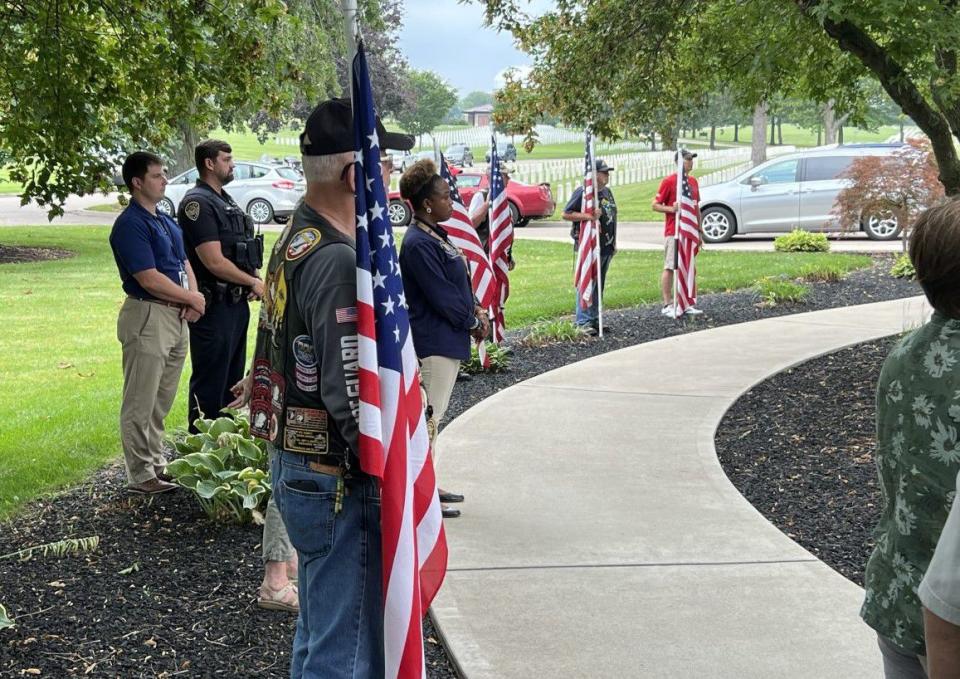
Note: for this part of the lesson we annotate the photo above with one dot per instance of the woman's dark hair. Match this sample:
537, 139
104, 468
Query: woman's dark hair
136, 166
934, 244
419, 182
210, 148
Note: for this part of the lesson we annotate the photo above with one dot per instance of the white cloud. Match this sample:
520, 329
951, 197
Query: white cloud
449, 38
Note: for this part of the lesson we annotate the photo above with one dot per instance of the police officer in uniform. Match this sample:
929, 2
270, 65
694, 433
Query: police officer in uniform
304, 393
225, 254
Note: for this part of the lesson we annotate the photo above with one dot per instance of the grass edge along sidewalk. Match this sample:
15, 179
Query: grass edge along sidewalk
60, 374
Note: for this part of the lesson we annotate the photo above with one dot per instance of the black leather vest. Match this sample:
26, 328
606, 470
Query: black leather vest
285, 404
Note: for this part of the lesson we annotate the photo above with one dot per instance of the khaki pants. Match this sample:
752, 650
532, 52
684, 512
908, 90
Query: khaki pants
154, 342
438, 374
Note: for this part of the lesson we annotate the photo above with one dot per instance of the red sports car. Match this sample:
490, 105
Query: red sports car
526, 201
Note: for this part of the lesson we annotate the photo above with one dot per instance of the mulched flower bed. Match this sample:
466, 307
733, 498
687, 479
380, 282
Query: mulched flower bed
168, 594
799, 446
17, 254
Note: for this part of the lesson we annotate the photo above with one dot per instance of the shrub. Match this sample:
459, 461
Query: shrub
799, 240
544, 333
903, 183
903, 268
499, 360
225, 468
827, 273
774, 290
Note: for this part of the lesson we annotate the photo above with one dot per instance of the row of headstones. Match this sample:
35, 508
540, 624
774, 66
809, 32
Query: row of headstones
562, 190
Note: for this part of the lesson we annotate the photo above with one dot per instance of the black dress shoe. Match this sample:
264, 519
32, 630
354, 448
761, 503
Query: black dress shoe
449, 512
447, 496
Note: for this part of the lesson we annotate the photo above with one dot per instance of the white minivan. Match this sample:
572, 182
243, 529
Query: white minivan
789, 192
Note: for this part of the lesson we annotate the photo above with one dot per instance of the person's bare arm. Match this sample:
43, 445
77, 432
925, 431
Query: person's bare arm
663, 209
191, 277
580, 216
211, 254
188, 314
163, 288
943, 647
481, 214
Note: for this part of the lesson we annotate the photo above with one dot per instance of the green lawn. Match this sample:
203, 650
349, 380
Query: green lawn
633, 200
60, 372
798, 136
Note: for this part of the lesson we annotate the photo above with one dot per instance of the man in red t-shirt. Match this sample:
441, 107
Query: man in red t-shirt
666, 202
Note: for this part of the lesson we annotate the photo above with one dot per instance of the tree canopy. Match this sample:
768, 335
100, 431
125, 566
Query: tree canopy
84, 82
430, 100
627, 65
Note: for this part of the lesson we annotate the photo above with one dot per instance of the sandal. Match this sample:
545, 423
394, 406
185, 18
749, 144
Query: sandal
285, 599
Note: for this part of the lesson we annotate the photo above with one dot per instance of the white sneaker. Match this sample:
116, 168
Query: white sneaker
693, 311
665, 311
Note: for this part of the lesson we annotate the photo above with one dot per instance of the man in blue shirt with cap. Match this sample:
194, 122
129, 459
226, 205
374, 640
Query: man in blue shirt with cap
162, 298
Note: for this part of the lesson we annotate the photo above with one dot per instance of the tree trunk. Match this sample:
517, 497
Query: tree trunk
773, 130
819, 135
758, 148
901, 131
713, 137
840, 135
780, 131
829, 123
653, 141
668, 138
736, 132
936, 123
183, 155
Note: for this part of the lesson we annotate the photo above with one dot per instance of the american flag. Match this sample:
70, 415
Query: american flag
463, 234
688, 243
501, 240
394, 444
586, 271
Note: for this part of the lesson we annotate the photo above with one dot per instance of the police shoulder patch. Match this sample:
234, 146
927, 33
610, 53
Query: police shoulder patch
192, 210
302, 243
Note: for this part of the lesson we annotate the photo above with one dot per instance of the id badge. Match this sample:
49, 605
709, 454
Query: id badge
184, 281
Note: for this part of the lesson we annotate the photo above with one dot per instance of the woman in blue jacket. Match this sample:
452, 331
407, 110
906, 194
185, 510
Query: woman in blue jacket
436, 282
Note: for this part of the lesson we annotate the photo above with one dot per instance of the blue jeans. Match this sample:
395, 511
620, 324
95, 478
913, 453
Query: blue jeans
591, 316
340, 627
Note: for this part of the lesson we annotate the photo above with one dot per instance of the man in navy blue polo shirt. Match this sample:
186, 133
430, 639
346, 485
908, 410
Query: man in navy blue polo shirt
162, 298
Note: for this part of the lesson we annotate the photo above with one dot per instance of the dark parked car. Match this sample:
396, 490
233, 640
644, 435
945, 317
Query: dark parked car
459, 154
508, 154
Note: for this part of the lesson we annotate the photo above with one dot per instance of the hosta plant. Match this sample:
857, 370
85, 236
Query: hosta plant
499, 360
225, 468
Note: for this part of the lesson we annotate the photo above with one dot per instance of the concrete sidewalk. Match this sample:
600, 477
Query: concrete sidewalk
601, 538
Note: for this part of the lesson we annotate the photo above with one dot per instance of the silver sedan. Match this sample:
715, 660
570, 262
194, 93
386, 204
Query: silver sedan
266, 192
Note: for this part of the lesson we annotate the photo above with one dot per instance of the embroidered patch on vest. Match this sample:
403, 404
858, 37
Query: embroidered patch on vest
302, 243
305, 431
192, 210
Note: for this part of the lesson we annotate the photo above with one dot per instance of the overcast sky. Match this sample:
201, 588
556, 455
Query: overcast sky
450, 39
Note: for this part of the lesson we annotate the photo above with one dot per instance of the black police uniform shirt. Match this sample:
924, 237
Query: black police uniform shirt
205, 216
306, 388
142, 241
608, 218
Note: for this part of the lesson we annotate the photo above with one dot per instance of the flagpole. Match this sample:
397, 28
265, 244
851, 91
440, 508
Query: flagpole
493, 264
676, 227
595, 224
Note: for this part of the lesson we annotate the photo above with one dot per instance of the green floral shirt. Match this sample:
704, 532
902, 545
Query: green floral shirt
918, 457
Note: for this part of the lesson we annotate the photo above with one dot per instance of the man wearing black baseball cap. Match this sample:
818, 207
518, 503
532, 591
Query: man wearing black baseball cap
303, 390
589, 319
